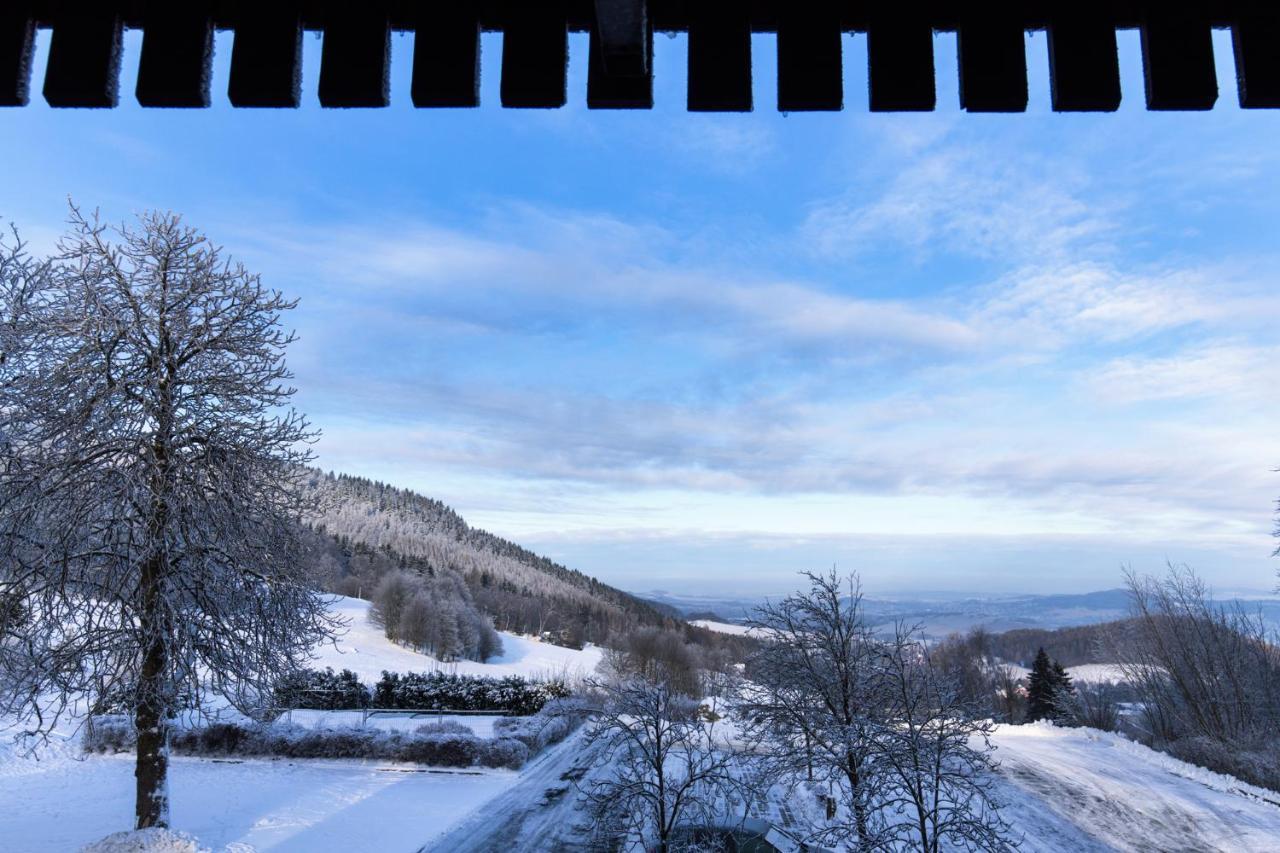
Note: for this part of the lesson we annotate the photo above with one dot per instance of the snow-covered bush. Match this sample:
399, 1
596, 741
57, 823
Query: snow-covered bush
1258, 764
552, 724
426, 691
322, 690
446, 749
504, 752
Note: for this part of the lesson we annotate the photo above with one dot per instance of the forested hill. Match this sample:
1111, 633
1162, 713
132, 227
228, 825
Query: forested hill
1072, 646
379, 527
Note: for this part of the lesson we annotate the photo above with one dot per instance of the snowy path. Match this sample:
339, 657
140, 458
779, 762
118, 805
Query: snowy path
278, 806
539, 813
1080, 789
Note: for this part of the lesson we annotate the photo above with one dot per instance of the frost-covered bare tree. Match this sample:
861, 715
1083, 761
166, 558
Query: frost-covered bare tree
667, 770
1207, 674
936, 752
813, 696
149, 483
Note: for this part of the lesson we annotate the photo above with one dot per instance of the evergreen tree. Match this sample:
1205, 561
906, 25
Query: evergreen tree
1063, 689
1041, 688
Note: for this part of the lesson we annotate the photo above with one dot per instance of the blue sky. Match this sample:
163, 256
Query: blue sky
701, 353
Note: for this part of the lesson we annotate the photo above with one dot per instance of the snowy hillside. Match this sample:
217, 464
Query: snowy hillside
365, 651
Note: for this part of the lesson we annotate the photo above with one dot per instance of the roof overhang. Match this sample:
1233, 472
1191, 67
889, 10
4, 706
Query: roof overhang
83, 68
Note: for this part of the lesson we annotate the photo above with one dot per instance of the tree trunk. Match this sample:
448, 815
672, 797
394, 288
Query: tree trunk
859, 806
151, 710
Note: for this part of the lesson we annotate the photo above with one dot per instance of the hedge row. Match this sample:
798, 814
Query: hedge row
432, 745
322, 690
446, 744
424, 691
329, 691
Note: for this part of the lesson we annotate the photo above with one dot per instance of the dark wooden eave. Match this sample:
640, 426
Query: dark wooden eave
175, 69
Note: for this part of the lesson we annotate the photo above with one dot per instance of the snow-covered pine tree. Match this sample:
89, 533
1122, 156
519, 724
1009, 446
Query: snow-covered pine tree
150, 497
1041, 690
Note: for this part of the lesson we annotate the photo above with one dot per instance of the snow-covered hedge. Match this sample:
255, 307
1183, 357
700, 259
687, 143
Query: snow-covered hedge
322, 690
446, 744
425, 691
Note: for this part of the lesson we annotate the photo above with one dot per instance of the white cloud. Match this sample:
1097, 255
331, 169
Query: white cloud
978, 202
1246, 373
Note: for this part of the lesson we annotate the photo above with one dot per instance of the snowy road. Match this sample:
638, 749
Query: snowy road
278, 806
539, 813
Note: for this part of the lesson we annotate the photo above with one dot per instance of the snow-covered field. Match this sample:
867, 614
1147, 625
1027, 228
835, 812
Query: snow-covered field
722, 627
1086, 673
365, 651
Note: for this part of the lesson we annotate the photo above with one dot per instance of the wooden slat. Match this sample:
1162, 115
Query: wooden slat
177, 55
810, 70
719, 56
1255, 38
1084, 65
613, 90
266, 57
17, 37
84, 56
625, 37
355, 62
1177, 60
535, 55
993, 65
900, 70
446, 56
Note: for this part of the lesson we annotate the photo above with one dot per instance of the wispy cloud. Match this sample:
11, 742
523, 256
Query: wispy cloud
975, 201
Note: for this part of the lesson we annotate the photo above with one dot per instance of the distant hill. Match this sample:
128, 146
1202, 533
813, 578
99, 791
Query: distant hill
367, 528
939, 615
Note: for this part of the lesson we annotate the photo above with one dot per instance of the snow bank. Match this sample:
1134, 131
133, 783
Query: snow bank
364, 650
146, 841
1120, 795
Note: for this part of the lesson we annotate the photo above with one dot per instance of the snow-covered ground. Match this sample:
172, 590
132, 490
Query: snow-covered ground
1086, 790
61, 804
407, 721
364, 650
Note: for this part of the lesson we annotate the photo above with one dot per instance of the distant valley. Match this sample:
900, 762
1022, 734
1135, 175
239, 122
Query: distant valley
940, 615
